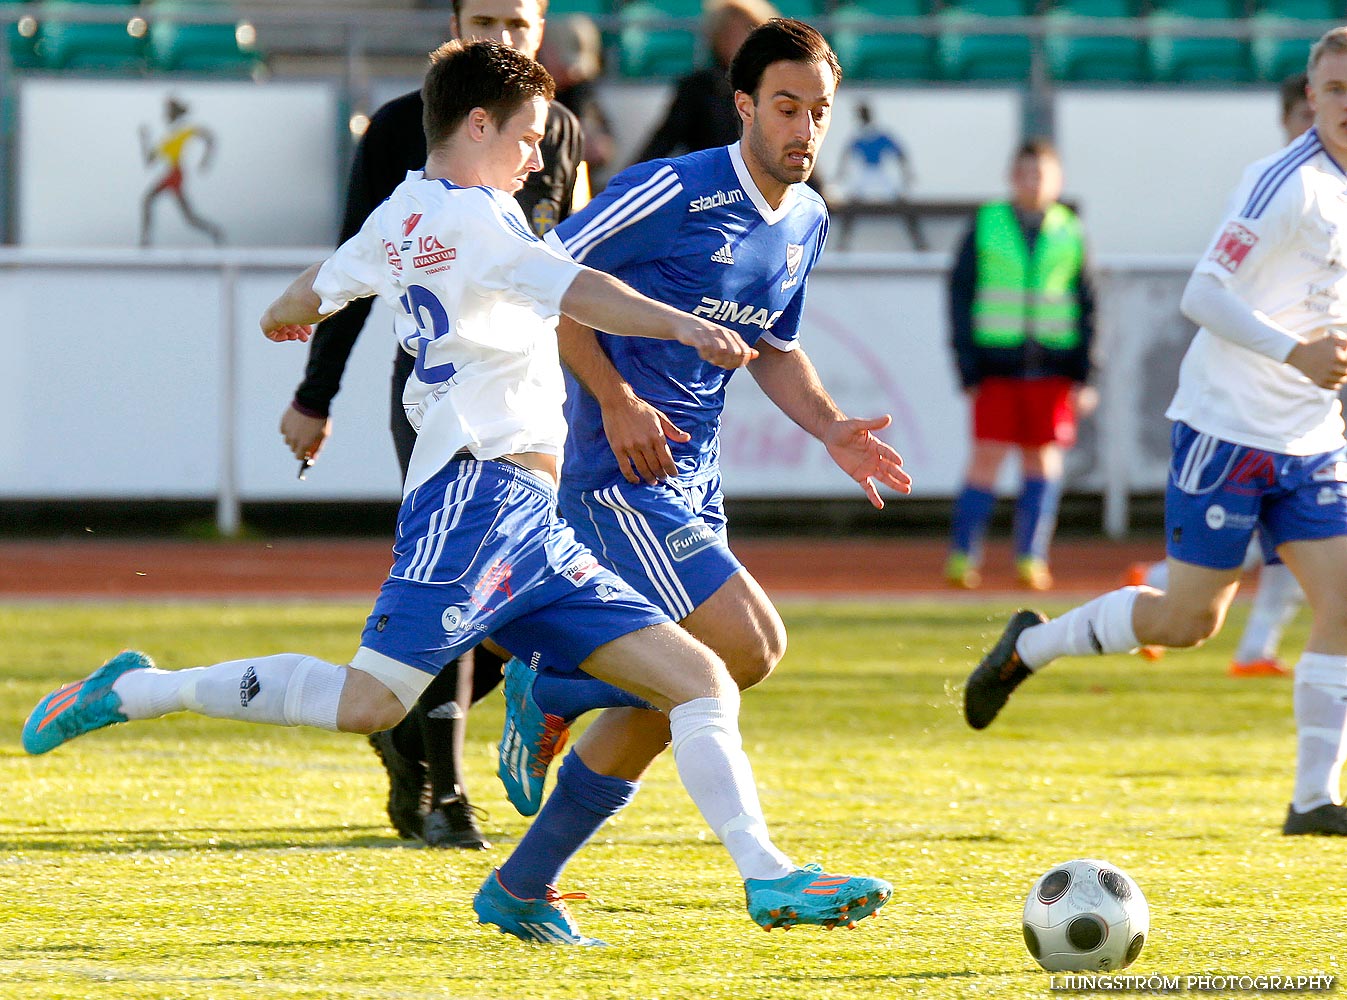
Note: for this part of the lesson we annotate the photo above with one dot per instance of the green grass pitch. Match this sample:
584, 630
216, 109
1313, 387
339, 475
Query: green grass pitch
188, 858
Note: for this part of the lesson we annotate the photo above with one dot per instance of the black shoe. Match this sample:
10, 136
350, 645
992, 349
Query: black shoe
453, 823
405, 780
1000, 672
1326, 820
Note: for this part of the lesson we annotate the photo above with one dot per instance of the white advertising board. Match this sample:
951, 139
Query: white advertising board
252, 163
129, 375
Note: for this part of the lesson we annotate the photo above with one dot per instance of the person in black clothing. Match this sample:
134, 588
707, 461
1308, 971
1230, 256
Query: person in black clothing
702, 114
423, 753
573, 54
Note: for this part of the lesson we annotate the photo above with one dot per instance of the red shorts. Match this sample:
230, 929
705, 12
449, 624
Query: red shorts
1025, 412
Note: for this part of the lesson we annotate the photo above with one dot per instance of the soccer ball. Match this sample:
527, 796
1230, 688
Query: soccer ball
1085, 916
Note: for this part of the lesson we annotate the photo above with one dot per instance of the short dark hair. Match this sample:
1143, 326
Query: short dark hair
782, 39
486, 75
457, 4
1292, 91
1036, 148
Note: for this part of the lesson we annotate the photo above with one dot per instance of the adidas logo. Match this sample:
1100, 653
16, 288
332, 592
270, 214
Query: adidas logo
723, 255
249, 686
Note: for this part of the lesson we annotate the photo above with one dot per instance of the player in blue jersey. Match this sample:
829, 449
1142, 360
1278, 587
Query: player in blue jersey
730, 234
480, 548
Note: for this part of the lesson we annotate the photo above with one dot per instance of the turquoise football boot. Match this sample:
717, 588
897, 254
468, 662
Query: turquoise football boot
809, 896
546, 920
530, 741
81, 707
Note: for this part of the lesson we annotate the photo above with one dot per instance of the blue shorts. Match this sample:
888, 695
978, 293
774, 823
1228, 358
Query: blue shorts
666, 540
481, 551
1219, 493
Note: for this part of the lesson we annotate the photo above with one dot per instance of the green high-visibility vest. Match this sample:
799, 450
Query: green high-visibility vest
1020, 294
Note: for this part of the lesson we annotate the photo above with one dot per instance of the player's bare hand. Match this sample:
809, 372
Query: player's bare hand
1322, 361
288, 331
304, 435
715, 344
639, 435
867, 459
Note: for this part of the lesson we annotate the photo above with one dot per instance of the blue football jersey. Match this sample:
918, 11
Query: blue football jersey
693, 232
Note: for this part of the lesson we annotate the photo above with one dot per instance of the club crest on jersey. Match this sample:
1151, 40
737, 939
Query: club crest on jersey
409, 223
1233, 246
794, 254
544, 216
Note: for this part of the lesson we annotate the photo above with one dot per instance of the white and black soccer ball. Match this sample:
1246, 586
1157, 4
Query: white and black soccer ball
1085, 916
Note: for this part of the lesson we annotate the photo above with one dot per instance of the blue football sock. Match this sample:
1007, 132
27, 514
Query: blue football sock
581, 802
572, 695
972, 512
1036, 517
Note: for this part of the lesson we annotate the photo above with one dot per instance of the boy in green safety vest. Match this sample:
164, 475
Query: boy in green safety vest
1022, 320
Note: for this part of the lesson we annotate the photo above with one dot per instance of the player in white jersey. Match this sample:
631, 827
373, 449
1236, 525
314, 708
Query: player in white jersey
1278, 596
480, 548
1258, 445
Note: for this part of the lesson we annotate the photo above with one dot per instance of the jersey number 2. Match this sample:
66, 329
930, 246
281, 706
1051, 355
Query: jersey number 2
432, 322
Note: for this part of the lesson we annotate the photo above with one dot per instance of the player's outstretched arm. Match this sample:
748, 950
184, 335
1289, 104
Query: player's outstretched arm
603, 302
789, 380
638, 433
292, 315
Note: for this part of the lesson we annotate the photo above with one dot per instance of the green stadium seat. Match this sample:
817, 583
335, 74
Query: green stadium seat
1277, 55
75, 45
983, 57
23, 38
661, 52
178, 44
594, 8
803, 10
1302, 10
1095, 58
1185, 59
871, 55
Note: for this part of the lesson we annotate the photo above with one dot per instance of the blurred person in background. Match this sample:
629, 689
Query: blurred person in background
702, 114
423, 755
1022, 316
875, 168
572, 51
1278, 596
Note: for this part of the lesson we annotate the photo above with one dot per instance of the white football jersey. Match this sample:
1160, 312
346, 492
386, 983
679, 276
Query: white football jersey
1283, 250
476, 296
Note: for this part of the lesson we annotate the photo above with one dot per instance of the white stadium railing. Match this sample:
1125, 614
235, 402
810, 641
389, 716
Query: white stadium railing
142, 375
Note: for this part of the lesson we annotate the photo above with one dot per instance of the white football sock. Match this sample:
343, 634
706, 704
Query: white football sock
1103, 625
1321, 729
1157, 575
709, 754
287, 689
1274, 604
